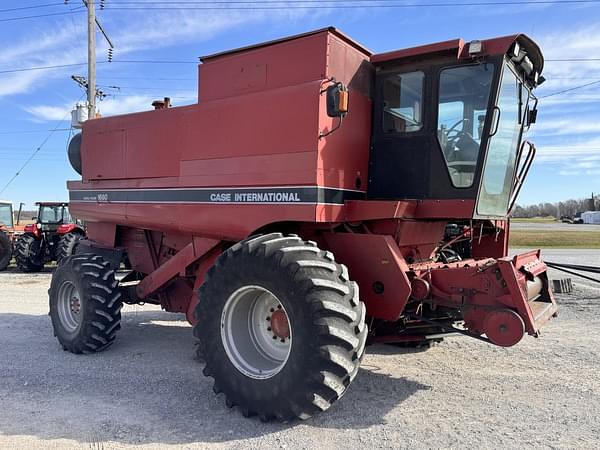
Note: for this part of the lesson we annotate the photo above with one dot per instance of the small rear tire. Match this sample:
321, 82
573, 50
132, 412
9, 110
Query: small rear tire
5, 250
67, 244
28, 254
280, 327
85, 304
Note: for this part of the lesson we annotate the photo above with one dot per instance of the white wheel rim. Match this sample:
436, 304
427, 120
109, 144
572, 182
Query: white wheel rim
254, 332
69, 306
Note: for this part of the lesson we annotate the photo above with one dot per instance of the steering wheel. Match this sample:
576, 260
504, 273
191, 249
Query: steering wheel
458, 133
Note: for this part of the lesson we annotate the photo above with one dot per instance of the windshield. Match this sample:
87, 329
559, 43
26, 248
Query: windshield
52, 214
6, 218
462, 111
498, 175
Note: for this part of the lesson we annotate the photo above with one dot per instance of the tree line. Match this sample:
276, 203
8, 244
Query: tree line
569, 208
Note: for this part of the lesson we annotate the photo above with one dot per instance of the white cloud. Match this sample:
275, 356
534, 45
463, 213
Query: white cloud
132, 32
569, 125
111, 106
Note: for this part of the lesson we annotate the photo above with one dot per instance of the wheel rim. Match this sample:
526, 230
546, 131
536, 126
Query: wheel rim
69, 306
256, 332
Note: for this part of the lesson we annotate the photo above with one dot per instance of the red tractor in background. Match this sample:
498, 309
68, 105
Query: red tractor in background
52, 237
8, 232
308, 168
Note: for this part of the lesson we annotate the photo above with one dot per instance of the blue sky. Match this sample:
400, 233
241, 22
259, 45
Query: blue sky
33, 102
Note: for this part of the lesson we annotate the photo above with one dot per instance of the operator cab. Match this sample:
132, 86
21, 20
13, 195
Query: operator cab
449, 118
51, 215
6, 215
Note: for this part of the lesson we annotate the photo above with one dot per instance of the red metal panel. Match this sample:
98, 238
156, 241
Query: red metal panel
264, 68
374, 259
108, 161
445, 209
175, 265
267, 170
270, 122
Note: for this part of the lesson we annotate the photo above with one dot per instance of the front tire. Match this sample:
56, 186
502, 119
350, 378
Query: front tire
280, 327
28, 254
85, 304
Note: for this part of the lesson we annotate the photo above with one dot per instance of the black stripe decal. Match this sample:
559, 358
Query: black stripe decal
289, 194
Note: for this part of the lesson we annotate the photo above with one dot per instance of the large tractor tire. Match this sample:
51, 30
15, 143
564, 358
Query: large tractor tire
67, 244
85, 304
27, 254
281, 327
5, 250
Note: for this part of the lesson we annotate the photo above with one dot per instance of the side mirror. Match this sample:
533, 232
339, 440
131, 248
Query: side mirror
337, 100
531, 116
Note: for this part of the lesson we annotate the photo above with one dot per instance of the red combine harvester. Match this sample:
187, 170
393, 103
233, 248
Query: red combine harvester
307, 163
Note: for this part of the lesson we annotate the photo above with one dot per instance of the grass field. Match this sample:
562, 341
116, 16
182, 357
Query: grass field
548, 219
554, 239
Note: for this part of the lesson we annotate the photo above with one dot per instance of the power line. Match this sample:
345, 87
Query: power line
144, 88
62, 66
37, 150
154, 79
20, 8
64, 13
337, 5
33, 131
192, 4
32, 156
570, 89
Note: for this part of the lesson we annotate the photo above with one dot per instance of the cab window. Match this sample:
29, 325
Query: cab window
462, 110
403, 102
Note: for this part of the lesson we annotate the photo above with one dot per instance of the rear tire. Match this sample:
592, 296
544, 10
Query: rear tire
5, 250
85, 304
67, 244
27, 254
324, 327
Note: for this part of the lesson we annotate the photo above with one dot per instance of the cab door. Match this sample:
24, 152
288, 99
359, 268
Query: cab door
400, 156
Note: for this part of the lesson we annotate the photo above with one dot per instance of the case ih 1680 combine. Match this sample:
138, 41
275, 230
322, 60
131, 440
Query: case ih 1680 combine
308, 168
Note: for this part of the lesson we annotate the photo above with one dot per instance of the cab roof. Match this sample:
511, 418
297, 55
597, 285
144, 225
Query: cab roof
494, 46
459, 47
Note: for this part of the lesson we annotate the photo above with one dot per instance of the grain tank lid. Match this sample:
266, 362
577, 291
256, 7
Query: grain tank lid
332, 30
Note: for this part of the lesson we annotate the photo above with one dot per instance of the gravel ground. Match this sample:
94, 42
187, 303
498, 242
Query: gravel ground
149, 390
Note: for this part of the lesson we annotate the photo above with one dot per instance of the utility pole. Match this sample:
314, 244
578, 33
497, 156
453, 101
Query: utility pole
91, 87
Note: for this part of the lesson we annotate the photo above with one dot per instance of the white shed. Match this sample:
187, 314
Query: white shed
592, 217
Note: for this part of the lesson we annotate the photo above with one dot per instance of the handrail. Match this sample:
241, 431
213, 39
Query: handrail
521, 171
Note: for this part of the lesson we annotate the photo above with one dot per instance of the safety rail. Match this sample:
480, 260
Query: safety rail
521, 171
